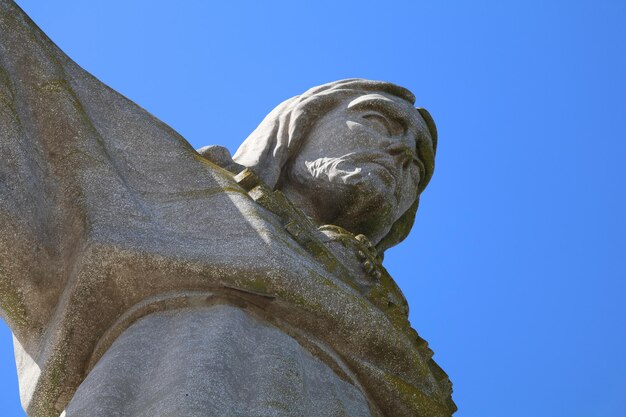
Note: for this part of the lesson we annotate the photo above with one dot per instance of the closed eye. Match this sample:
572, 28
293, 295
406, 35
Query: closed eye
382, 124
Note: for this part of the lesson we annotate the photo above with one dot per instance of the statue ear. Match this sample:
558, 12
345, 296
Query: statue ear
430, 124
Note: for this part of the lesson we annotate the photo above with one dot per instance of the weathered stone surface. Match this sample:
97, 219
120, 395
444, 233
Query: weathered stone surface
214, 361
353, 153
108, 217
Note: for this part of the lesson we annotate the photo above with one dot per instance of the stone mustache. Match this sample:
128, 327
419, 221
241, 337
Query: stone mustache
143, 278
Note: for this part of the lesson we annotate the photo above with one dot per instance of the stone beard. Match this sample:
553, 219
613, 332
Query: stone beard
143, 278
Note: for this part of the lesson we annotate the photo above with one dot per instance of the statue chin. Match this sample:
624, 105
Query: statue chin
371, 215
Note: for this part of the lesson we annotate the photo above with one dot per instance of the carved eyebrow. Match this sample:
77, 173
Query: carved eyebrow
383, 104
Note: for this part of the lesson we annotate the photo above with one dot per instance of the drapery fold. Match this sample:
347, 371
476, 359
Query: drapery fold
103, 206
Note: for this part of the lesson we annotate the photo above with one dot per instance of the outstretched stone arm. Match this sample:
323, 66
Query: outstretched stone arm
42, 142
83, 170
78, 161
107, 216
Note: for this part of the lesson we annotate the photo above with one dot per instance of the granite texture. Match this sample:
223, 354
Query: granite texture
109, 219
214, 361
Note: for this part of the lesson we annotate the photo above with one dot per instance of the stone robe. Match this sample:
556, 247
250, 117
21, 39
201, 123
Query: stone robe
112, 229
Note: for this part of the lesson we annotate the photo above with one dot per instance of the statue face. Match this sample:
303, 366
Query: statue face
358, 167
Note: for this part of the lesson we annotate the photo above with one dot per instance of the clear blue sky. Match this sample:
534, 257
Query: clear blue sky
515, 270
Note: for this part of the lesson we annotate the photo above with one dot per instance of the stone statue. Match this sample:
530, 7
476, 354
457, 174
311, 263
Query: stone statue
143, 278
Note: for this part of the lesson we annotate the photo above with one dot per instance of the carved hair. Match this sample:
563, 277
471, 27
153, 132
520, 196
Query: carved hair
273, 144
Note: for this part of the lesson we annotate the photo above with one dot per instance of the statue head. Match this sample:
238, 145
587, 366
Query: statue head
354, 153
